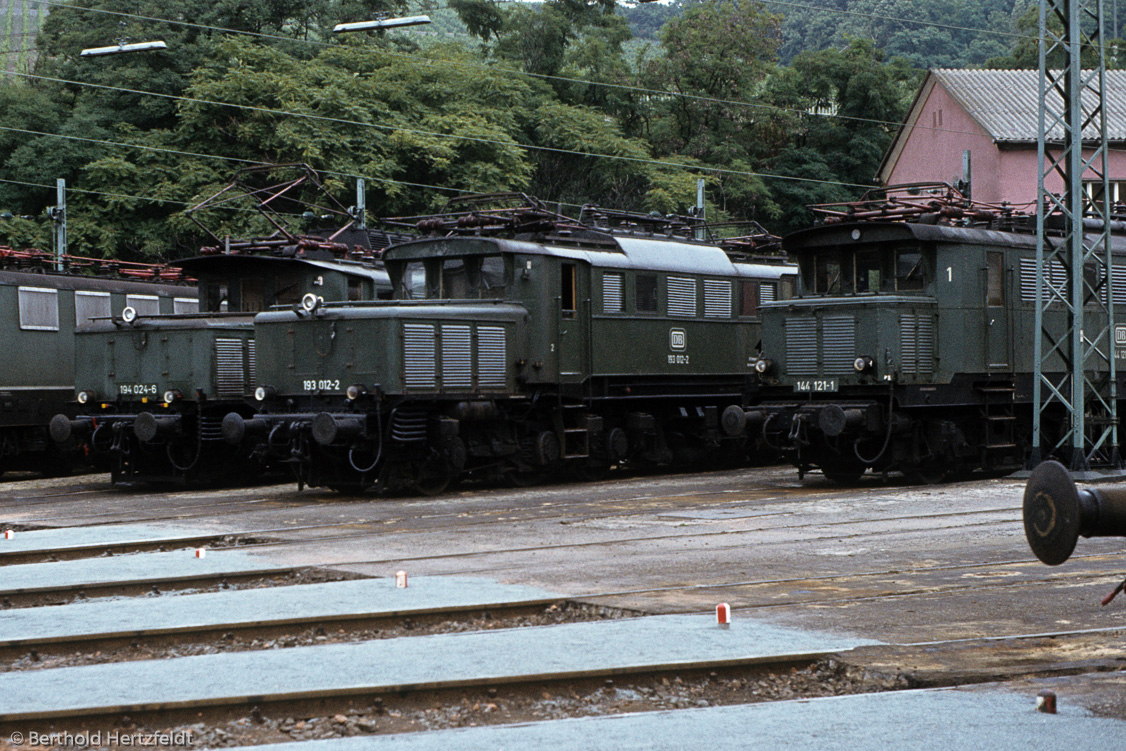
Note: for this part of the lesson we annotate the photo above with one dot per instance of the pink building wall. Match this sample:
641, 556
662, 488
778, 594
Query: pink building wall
942, 130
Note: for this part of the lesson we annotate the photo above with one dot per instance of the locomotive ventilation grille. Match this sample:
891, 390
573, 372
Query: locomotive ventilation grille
801, 346
682, 296
492, 356
230, 368
916, 344
1056, 276
421, 344
457, 357
837, 345
418, 356
717, 299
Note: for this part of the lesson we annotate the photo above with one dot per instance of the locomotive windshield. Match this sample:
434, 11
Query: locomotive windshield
472, 277
865, 270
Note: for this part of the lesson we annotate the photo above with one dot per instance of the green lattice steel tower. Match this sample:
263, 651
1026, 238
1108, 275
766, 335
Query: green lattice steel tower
1075, 415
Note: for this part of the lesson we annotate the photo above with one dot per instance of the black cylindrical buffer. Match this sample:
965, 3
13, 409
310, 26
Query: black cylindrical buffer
235, 428
328, 429
834, 420
1057, 512
62, 428
147, 426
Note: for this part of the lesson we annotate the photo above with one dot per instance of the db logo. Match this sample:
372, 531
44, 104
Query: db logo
1120, 334
678, 340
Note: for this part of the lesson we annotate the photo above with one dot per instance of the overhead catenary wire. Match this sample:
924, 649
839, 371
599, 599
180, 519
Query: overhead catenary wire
659, 163
453, 136
541, 76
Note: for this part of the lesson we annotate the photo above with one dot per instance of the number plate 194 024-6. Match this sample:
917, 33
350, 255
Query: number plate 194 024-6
815, 385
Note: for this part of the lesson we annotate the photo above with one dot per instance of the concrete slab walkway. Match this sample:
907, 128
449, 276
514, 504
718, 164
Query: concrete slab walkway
327, 601
100, 536
444, 660
995, 719
134, 568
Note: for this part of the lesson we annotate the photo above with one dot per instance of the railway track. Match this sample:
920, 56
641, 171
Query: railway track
647, 526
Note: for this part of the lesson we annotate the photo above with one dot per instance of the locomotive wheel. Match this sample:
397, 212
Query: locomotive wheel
426, 484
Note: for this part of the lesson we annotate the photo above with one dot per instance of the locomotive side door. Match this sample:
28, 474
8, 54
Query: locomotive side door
998, 337
573, 314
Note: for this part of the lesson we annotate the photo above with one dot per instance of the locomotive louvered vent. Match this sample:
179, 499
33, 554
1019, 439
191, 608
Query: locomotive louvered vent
492, 357
408, 426
230, 368
767, 292
801, 346
682, 296
251, 366
916, 344
418, 356
717, 299
1056, 276
457, 357
612, 293
838, 344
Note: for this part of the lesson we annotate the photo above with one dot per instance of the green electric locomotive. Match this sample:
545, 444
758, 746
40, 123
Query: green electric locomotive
152, 390
46, 300
519, 344
909, 344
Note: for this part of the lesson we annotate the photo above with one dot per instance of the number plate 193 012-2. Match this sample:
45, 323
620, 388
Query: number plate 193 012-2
815, 385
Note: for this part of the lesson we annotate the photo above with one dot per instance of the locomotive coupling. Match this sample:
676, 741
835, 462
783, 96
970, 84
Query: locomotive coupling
1057, 512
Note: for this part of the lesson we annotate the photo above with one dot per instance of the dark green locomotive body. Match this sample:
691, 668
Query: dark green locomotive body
909, 347
153, 390
45, 309
515, 357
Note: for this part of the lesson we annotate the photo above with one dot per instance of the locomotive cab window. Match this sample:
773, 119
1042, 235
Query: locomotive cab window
412, 286
146, 305
491, 277
645, 292
567, 292
90, 305
749, 298
869, 271
910, 270
994, 270
39, 309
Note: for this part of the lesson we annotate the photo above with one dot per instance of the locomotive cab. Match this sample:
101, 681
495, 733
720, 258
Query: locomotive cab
899, 351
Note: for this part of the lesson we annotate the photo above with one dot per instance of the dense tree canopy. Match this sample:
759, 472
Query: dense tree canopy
774, 107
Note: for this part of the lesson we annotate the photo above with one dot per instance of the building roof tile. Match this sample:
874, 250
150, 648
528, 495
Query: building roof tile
1006, 102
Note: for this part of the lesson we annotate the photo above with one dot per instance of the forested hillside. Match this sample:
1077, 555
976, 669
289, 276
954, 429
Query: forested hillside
775, 106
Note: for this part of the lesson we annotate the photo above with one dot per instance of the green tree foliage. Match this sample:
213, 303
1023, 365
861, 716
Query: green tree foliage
141, 137
844, 107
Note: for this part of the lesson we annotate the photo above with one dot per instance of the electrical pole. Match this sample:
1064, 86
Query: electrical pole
1075, 415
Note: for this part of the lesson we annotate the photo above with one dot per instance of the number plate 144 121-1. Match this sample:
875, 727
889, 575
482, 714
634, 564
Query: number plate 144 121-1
815, 385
